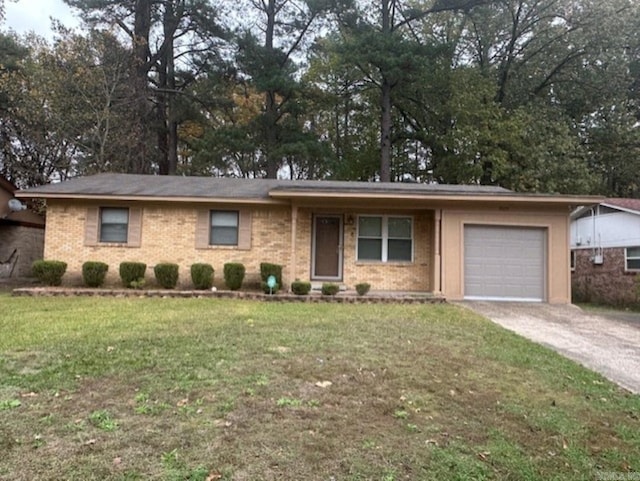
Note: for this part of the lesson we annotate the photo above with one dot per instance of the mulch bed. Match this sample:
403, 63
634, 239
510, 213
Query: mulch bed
343, 297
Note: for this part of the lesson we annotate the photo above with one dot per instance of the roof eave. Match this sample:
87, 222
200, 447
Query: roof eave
439, 197
147, 198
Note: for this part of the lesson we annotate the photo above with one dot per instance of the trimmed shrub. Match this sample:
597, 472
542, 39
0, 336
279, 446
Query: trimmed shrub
49, 272
233, 275
300, 288
330, 289
363, 288
93, 273
132, 274
166, 274
202, 276
267, 269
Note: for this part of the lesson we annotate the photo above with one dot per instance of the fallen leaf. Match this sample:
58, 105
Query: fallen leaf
182, 402
90, 442
324, 384
117, 461
110, 348
213, 476
28, 394
564, 444
484, 455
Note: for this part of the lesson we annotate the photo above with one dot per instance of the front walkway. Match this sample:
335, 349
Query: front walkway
609, 346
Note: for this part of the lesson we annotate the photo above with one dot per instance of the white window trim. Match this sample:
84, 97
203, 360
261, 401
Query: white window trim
627, 258
385, 239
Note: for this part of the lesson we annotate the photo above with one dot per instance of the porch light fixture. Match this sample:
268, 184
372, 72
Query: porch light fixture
349, 220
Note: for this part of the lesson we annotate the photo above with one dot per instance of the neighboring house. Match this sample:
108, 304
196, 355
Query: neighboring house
605, 251
21, 234
474, 242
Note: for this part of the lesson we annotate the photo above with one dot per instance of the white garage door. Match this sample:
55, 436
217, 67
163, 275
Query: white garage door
504, 263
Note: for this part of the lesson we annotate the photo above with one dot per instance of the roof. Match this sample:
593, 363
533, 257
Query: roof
622, 204
632, 205
226, 187
208, 189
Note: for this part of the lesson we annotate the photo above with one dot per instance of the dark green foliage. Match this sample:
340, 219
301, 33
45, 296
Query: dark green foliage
330, 289
132, 273
166, 274
363, 288
267, 269
234, 275
49, 272
301, 288
202, 276
267, 290
93, 273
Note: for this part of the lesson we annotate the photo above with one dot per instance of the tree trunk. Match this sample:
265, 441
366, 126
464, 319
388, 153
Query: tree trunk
385, 105
385, 132
167, 128
139, 164
170, 26
271, 109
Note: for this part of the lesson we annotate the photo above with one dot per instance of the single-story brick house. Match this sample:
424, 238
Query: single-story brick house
474, 242
21, 235
605, 251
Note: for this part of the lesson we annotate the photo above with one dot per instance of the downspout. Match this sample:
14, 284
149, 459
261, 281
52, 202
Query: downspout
593, 235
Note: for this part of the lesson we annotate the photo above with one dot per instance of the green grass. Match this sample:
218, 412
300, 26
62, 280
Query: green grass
198, 389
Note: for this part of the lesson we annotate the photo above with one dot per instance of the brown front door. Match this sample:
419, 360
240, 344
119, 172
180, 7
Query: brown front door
327, 245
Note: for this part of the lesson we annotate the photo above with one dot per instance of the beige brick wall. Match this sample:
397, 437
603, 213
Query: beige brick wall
168, 235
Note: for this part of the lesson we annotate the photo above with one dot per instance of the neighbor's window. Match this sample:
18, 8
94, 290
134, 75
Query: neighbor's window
573, 261
224, 228
633, 258
114, 224
385, 238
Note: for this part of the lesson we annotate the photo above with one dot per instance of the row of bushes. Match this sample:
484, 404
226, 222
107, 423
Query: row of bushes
132, 275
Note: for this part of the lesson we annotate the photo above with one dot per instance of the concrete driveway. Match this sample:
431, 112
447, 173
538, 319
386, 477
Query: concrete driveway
607, 342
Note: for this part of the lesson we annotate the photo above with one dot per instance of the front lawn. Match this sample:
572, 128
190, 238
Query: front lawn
204, 389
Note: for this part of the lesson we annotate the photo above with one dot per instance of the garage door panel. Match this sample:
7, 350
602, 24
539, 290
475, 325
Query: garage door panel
503, 262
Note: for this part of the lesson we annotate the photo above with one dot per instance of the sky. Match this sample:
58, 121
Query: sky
27, 15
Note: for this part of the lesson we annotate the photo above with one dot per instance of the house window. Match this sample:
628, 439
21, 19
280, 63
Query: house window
224, 228
632, 258
114, 225
385, 239
573, 261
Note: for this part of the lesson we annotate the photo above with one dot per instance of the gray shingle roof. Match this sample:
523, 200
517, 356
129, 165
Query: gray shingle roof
214, 187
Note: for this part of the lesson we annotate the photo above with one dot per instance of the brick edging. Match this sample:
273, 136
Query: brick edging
256, 296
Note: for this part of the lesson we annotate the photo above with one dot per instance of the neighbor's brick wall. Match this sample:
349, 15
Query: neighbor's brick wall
605, 283
29, 242
409, 276
168, 235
